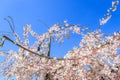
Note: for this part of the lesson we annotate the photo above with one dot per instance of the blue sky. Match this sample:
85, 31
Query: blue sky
84, 12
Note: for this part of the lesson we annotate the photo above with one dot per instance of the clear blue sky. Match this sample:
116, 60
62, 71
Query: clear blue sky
84, 12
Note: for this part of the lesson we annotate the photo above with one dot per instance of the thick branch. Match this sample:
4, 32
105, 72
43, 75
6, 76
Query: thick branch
7, 38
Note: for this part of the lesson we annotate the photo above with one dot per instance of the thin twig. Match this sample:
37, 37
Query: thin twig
12, 22
11, 26
42, 22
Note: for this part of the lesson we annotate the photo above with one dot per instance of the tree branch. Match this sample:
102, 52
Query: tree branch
7, 38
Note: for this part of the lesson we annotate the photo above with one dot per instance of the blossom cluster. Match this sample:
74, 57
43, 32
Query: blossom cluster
97, 56
109, 11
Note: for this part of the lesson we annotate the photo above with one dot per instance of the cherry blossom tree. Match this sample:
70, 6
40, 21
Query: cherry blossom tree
96, 58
